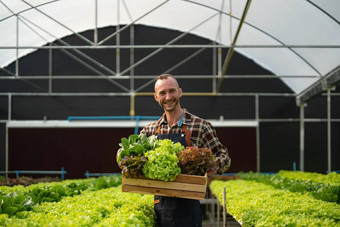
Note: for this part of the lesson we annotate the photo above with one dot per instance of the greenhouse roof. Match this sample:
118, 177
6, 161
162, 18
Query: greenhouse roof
298, 40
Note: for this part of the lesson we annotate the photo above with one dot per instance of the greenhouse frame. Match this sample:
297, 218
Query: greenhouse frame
77, 76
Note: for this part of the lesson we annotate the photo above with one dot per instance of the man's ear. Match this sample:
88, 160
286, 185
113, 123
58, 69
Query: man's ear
180, 92
155, 96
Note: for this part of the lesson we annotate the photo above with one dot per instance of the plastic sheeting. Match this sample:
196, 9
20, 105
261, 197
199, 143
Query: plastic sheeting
293, 38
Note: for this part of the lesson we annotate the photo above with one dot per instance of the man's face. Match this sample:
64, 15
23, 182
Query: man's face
167, 94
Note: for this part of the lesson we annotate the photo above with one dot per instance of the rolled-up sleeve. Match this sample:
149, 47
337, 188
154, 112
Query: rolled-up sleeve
210, 140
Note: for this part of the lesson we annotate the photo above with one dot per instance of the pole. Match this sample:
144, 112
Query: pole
224, 208
329, 133
302, 137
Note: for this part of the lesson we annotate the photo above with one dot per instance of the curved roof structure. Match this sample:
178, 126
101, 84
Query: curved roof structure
296, 40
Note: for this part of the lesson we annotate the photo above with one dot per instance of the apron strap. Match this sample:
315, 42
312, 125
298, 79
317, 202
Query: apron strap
184, 129
158, 129
187, 134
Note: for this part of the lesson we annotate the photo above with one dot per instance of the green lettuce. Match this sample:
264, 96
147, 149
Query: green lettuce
136, 145
162, 162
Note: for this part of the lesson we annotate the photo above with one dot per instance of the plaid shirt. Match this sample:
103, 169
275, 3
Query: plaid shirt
202, 134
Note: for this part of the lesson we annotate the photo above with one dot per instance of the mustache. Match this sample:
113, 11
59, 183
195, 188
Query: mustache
169, 101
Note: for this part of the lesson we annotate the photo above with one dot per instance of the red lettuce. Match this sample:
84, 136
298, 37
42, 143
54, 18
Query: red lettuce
196, 161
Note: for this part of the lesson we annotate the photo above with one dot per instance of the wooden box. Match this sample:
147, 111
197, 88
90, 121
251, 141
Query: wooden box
184, 186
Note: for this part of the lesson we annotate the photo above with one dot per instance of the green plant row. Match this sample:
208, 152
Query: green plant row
331, 178
18, 198
323, 187
257, 204
106, 207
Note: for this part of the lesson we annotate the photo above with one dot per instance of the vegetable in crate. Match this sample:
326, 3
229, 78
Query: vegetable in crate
136, 145
132, 166
196, 161
132, 154
162, 162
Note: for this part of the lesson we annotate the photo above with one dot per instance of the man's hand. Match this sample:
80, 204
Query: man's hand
210, 173
118, 152
213, 170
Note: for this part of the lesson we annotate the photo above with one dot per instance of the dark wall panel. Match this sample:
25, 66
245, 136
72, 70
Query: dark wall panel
59, 107
241, 144
147, 106
278, 107
94, 149
335, 156
317, 107
316, 147
76, 149
279, 146
23, 85
3, 107
2, 146
103, 85
335, 106
207, 107
213, 107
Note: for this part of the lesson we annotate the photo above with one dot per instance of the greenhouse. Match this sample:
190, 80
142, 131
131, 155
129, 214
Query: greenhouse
78, 76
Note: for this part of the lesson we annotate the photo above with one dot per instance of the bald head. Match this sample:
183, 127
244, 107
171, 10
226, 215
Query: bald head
165, 77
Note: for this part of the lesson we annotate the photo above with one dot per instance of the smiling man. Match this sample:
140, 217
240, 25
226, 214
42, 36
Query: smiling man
178, 125
167, 94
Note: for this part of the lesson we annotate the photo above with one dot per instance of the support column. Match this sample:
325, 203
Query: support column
118, 40
302, 136
95, 33
17, 48
329, 132
257, 117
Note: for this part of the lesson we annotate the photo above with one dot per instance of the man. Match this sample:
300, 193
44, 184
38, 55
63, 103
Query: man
181, 126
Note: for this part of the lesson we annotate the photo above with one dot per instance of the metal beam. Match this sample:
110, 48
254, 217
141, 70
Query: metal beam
132, 23
125, 77
329, 80
167, 44
172, 46
231, 49
60, 23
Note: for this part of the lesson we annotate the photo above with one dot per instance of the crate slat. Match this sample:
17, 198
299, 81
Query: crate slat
184, 186
164, 192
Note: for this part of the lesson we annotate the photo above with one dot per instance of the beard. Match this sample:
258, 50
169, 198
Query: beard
169, 105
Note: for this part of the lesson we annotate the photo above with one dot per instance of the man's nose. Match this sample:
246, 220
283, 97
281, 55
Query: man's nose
167, 95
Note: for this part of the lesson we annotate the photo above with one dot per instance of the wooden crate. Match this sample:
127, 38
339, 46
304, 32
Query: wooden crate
184, 186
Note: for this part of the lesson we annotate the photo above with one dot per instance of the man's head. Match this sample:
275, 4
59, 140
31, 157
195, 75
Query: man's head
167, 92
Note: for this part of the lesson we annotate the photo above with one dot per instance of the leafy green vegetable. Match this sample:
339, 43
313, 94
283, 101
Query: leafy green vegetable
106, 207
162, 163
320, 186
136, 145
257, 204
17, 198
132, 166
331, 178
15, 202
196, 161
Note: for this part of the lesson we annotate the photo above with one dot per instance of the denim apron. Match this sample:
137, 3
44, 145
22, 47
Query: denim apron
177, 212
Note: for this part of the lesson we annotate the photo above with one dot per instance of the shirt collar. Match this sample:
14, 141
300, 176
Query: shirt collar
179, 123
185, 119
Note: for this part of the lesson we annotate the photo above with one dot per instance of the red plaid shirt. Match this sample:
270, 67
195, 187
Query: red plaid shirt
202, 134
